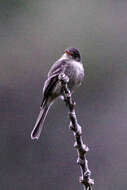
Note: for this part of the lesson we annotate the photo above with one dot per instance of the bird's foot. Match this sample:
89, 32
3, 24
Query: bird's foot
63, 77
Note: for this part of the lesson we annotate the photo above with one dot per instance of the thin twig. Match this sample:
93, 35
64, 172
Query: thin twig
82, 149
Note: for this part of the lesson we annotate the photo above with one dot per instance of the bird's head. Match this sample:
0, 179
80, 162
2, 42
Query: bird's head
73, 53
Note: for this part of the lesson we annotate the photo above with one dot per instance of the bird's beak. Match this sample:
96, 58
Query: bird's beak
67, 52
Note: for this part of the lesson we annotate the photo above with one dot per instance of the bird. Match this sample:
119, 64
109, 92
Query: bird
69, 64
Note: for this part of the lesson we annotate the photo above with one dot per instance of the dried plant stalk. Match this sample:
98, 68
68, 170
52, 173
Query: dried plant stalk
82, 149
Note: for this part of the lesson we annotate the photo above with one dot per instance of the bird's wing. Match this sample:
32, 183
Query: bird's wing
58, 67
52, 79
48, 86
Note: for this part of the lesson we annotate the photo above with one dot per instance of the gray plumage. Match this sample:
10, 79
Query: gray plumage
69, 64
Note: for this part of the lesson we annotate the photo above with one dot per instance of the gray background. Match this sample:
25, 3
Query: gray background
33, 34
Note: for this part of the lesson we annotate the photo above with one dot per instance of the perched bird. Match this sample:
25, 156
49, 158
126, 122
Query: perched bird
69, 64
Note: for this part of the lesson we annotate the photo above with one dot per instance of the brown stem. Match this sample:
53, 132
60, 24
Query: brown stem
82, 149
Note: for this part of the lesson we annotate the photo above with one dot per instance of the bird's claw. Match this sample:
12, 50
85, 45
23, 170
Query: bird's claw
63, 77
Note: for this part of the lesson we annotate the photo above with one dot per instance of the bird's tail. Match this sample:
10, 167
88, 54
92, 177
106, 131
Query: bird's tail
35, 134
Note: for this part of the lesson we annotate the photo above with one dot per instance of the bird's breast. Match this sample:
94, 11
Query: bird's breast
78, 70
75, 72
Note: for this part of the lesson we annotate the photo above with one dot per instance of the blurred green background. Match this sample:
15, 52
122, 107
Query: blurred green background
33, 34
